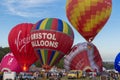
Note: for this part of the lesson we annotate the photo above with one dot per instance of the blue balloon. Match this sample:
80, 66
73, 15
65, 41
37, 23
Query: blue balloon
117, 63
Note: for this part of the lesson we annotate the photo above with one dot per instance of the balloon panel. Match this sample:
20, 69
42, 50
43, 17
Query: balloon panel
47, 39
88, 16
20, 44
79, 61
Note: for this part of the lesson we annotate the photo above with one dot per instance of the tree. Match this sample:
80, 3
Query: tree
61, 63
3, 52
108, 65
37, 63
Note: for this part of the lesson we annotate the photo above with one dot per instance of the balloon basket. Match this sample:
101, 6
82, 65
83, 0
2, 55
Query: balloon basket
46, 67
89, 45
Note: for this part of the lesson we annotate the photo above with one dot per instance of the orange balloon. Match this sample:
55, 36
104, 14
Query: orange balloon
88, 16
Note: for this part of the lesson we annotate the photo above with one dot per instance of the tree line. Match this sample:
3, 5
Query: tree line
5, 50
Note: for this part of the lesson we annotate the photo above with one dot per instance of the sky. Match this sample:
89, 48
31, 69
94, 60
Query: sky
13, 12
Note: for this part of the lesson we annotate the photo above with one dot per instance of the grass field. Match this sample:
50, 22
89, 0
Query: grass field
86, 78
65, 78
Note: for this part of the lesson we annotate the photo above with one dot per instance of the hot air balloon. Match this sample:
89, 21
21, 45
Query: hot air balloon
9, 63
117, 62
51, 38
88, 16
83, 56
20, 45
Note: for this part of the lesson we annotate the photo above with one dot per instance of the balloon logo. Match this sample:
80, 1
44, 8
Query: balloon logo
88, 16
51, 38
20, 45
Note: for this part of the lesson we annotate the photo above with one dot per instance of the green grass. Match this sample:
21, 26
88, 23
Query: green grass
86, 78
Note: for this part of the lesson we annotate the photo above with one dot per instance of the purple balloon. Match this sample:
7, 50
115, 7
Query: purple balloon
9, 63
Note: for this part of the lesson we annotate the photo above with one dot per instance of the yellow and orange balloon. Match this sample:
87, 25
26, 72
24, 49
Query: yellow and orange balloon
88, 16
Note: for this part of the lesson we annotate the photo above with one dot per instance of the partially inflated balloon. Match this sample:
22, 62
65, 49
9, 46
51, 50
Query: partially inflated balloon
9, 63
83, 56
88, 16
20, 45
51, 38
117, 62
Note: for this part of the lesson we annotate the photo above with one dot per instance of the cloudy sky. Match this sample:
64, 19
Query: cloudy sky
13, 12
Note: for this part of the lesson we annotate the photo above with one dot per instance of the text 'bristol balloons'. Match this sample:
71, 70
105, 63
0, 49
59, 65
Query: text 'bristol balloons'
117, 62
9, 63
20, 45
83, 56
88, 16
51, 38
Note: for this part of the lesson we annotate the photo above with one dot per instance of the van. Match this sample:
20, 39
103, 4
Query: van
74, 74
27, 75
9, 75
80, 73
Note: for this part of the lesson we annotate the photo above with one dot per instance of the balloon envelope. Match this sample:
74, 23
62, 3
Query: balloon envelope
117, 62
9, 63
83, 56
51, 38
88, 16
20, 45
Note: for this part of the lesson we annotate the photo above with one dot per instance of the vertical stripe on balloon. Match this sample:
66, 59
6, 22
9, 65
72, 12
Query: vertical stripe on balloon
54, 24
46, 54
69, 30
43, 55
65, 29
54, 57
48, 24
60, 56
42, 25
48, 57
40, 56
38, 24
51, 56
60, 25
